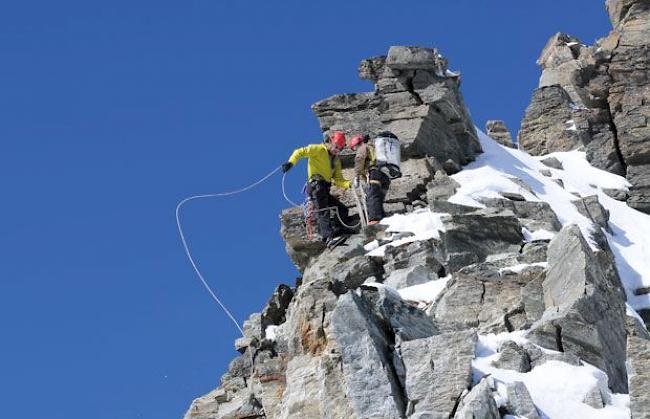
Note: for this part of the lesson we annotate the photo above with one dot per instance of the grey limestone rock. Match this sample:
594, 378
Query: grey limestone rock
512, 357
442, 187
425, 253
618, 9
638, 357
392, 313
539, 357
416, 98
488, 301
639, 195
497, 130
519, 401
585, 312
590, 207
441, 206
414, 58
553, 162
617, 194
406, 277
534, 252
594, 398
471, 238
372, 385
531, 214
300, 248
478, 403
437, 372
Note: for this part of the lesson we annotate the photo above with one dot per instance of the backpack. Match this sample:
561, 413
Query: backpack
388, 156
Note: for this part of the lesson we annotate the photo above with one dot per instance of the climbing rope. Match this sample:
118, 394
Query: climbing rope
335, 210
187, 249
230, 193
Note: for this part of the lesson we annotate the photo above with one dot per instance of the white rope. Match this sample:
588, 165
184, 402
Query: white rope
187, 249
334, 209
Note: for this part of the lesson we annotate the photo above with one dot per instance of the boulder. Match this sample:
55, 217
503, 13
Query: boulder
590, 207
478, 403
406, 277
437, 370
442, 187
639, 195
395, 315
424, 253
300, 247
470, 238
539, 357
372, 387
585, 312
519, 401
512, 357
553, 162
490, 302
498, 131
531, 214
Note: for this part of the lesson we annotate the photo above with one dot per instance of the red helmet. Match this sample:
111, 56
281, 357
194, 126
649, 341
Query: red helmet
355, 141
338, 139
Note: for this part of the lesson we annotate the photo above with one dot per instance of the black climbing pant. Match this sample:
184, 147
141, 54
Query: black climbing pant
378, 184
328, 223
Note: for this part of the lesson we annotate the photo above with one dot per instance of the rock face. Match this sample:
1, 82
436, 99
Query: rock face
343, 343
585, 312
416, 97
598, 98
638, 352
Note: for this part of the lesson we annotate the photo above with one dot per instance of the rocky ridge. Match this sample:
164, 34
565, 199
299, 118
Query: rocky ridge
349, 341
597, 99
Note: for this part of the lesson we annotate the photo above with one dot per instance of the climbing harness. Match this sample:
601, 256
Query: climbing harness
334, 210
187, 249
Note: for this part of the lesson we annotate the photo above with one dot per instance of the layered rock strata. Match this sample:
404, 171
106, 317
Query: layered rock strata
597, 99
343, 344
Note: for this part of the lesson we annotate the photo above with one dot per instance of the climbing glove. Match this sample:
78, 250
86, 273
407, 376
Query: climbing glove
286, 166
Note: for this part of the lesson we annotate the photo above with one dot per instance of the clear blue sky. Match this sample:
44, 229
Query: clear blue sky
111, 112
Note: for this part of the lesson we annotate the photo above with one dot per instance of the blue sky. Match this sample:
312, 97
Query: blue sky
111, 112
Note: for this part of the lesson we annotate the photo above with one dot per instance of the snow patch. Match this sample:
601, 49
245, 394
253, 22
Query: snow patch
422, 224
271, 332
424, 294
630, 241
557, 388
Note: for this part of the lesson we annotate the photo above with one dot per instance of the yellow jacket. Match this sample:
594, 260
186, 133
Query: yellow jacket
321, 163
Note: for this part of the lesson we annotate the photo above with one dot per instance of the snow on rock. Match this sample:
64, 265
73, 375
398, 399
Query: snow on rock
421, 224
492, 172
270, 332
426, 293
558, 389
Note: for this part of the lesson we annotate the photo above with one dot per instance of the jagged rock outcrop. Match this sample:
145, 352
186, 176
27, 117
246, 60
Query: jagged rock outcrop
343, 343
598, 99
498, 131
416, 97
585, 313
519, 401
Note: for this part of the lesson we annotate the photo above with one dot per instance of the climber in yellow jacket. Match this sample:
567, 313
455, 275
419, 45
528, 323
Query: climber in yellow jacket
323, 169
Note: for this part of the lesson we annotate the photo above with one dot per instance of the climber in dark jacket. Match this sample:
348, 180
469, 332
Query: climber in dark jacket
366, 171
